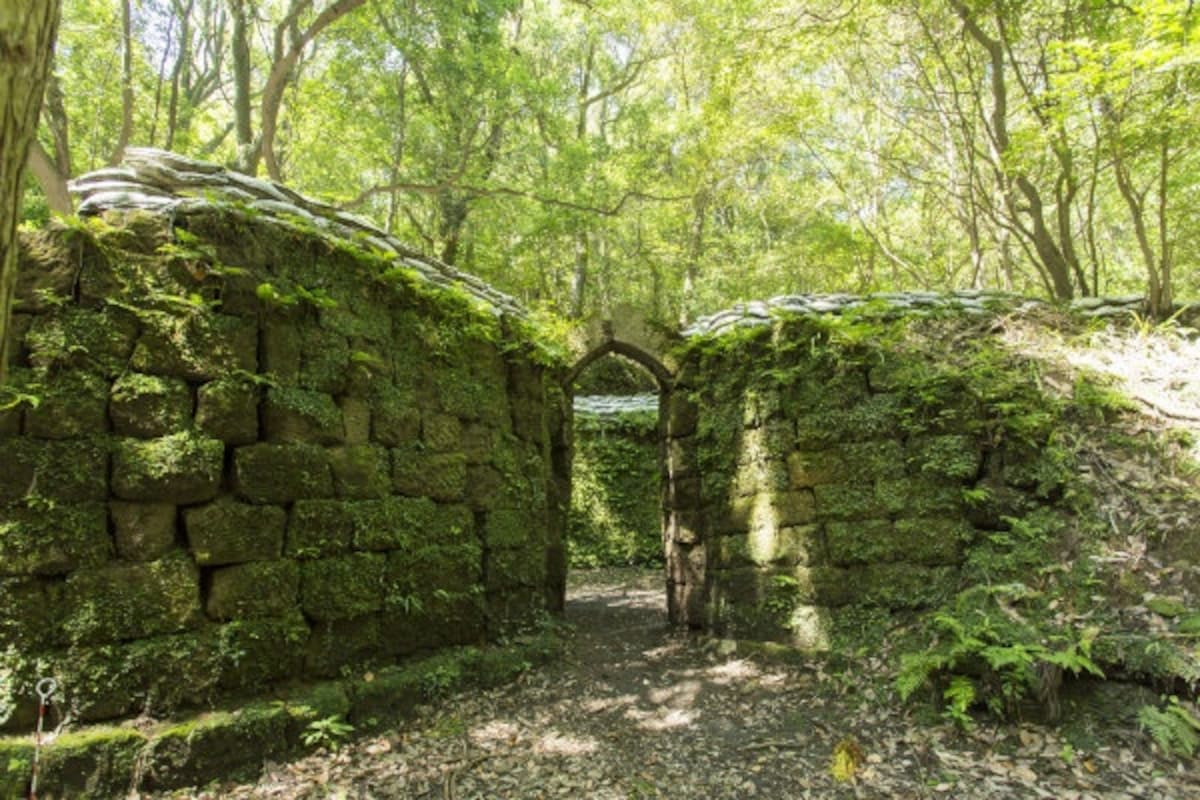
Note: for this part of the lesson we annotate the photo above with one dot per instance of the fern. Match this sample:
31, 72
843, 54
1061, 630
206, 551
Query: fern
1174, 728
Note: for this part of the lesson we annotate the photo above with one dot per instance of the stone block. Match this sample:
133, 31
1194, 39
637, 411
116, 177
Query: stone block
902, 586
356, 414
257, 589
441, 433
919, 497
228, 532
230, 745
395, 416
685, 527
508, 528
342, 587
418, 473
95, 762
281, 348
478, 442
515, 568
282, 473
809, 468
148, 406
848, 501
361, 471
182, 468
485, 485
196, 347
406, 523
251, 653
30, 613
683, 414
64, 471
933, 540
143, 531
292, 414
227, 409
338, 643
430, 571
74, 404
320, 528
864, 542
864, 462
784, 547
54, 540
78, 338
325, 364
947, 457
118, 602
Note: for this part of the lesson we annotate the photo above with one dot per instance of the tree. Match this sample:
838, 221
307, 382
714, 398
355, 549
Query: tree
27, 32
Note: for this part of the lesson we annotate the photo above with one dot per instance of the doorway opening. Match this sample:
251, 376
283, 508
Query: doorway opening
616, 554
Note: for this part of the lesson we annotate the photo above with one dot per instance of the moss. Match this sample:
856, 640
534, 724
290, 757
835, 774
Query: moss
228, 532
227, 409
840, 501
343, 586
76, 338
30, 613
69, 471
74, 404
180, 468
395, 523
319, 528
338, 644
53, 540
325, 364
419, 473
395, 415
258, 589
251, 653
143, 531
93, 763
229, 744
282, 473
947, 457
147, 406
132, 601
293, 414
361, 471
195, 346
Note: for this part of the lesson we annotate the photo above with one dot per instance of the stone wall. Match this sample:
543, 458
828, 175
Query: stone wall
826, 472
616, 482
241, 452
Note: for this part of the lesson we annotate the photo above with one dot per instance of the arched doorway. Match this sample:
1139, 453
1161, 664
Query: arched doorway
640, 386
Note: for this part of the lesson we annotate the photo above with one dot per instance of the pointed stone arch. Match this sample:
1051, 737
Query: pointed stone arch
630, 351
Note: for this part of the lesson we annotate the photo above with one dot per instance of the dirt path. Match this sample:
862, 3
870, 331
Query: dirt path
640, 711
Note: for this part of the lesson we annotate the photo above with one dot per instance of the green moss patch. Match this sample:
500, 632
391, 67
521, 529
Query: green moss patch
281, 473
228, 532
180, 468
147, 406
119, 602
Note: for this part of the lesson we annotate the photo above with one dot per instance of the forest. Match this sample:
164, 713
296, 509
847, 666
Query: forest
675, 156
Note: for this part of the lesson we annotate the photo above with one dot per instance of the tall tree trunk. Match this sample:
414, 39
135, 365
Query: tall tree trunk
282, 72
126, 83
247, 159
27, 33
53, 182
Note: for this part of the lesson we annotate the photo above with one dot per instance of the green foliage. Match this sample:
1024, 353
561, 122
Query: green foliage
328, 732
1175, 727
994, 647
615, 518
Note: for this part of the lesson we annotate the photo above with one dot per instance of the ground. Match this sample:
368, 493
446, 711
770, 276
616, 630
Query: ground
639, 710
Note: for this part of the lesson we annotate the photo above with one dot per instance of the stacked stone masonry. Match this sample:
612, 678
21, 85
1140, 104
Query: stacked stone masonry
245, 454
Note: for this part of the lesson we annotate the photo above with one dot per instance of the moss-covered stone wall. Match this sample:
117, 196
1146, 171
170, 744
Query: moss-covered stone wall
829, 471
616, 483
239, 453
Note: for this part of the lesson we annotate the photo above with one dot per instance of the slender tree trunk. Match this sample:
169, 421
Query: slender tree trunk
126, 83
691, 270
27, 33
247, 160
53, 182
282, 72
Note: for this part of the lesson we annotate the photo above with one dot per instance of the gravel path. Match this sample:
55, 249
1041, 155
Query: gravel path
638, 710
